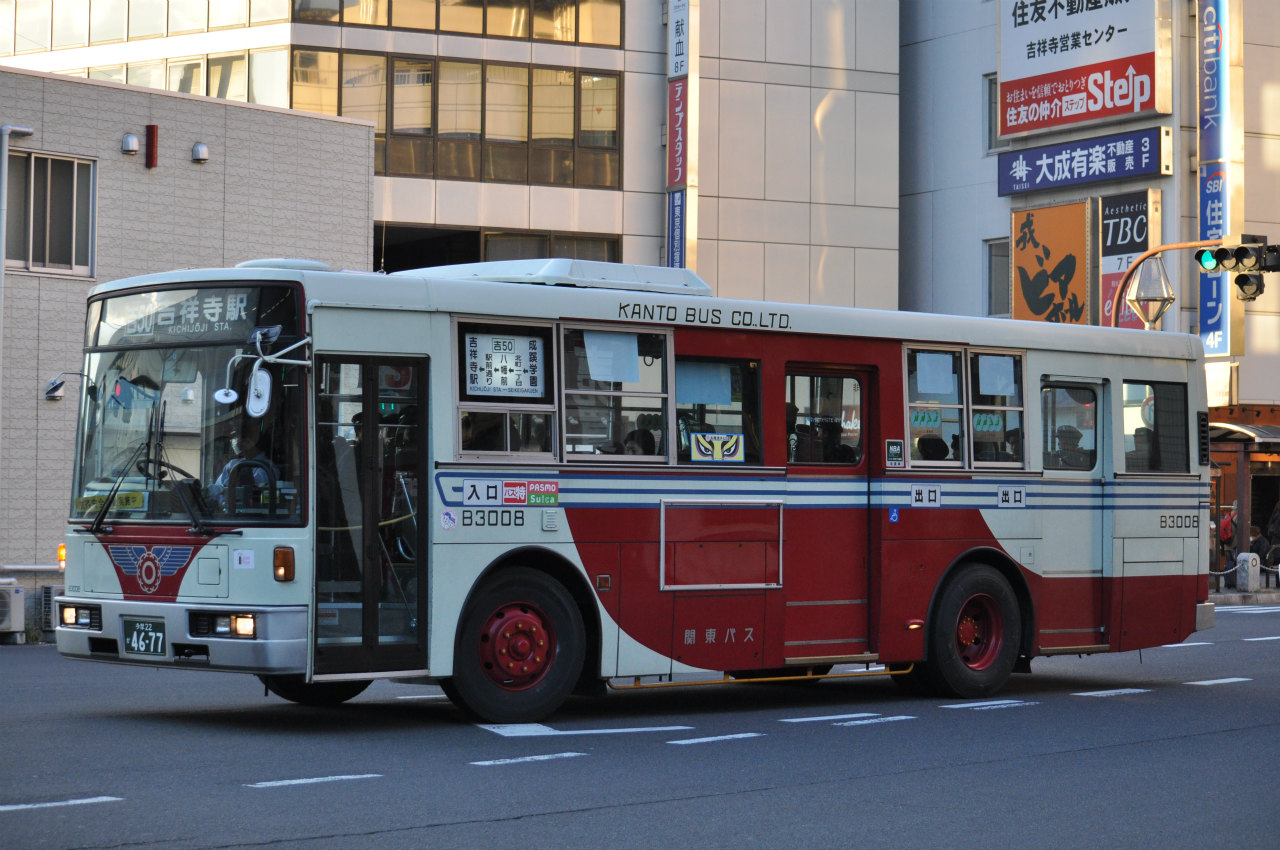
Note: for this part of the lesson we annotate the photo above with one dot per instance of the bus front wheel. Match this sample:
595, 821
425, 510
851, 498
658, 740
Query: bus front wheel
520, 649
294, 689
973, 640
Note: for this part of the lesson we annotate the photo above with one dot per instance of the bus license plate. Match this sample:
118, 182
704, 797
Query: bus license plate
143, 637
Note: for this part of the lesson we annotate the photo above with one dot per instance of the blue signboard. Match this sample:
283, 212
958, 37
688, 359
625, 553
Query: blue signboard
675, 229
1141, 153
1215, 311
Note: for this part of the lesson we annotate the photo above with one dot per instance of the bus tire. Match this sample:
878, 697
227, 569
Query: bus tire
974, 637
520, 649
294, 689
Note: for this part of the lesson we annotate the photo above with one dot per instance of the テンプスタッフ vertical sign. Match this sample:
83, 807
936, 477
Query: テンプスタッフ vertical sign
1220, 98
1063, 64
682, 134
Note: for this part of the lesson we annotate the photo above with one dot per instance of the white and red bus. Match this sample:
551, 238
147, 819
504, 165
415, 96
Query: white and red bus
522, 480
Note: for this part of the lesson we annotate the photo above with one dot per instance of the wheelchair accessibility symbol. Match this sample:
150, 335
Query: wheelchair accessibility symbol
893, 515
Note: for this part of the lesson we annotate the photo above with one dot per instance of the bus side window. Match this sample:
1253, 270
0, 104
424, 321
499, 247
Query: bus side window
1070, 428
718, 411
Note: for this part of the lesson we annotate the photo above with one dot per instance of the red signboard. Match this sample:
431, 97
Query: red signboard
1118, 87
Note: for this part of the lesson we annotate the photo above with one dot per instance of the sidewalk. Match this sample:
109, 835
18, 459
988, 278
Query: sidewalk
1267, 596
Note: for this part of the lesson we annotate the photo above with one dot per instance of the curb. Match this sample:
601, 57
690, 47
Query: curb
1261, 597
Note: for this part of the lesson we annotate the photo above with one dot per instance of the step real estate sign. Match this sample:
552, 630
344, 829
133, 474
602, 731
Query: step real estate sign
1066, 64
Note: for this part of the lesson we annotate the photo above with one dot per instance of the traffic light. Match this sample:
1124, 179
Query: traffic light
1249, 260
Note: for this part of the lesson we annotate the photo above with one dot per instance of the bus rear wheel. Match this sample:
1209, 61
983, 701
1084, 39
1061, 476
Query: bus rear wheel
294, 689
520, 649
973, 641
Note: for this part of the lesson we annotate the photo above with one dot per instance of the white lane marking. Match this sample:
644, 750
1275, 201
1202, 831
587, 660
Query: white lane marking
719, 738
1113, 693
423, 696
890, 719
312, 780
1273, 637
995, 703
1249, 609
537, 730
549, 757
15, 807
1191, 643
1219, 681
826, 718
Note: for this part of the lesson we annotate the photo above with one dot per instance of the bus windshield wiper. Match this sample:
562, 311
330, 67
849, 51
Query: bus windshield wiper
184, 488
96, 526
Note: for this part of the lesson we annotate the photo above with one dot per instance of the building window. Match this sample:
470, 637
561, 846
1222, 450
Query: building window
551, 155
596, 22
188, 15
226, 13
596, 163
414, 14
108, 20
186, 75
146, 18
460, 120
229, 77
999, 282
506, 124
70, 23
600, 22
409, 150
555, 20
49, 213
265, 11
32, 25
269, 77
458, 104
991, 84
531, 245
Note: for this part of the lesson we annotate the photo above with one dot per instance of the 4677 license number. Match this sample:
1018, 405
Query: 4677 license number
143, 637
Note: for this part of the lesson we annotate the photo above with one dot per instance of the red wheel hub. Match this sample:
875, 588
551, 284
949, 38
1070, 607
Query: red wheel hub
979, 632
517, 646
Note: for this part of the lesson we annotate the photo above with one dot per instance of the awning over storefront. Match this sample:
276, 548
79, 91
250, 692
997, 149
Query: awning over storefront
1230, 432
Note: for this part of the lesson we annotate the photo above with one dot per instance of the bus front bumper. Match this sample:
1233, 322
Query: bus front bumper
182, 635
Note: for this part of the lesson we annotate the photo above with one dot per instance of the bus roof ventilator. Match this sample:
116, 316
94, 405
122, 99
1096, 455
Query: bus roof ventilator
560, 271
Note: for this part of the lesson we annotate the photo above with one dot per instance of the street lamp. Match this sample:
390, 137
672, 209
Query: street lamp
1122, 291
1153, 294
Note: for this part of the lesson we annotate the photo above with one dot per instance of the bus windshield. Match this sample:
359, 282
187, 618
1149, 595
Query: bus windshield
160, 437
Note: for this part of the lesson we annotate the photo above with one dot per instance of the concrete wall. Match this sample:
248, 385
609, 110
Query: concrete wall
277, 183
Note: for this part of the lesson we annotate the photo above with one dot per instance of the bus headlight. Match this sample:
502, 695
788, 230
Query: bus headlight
235, 625
82, 616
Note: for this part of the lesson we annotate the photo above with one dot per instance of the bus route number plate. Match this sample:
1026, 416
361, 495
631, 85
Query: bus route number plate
143, 637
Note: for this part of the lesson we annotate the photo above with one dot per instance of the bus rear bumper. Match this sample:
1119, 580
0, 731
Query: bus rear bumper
1204, 616
189, 640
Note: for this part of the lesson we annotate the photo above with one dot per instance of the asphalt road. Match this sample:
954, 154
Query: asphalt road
1175, 747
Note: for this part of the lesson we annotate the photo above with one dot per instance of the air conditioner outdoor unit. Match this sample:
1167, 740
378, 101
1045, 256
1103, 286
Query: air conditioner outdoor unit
48, 608
13, 613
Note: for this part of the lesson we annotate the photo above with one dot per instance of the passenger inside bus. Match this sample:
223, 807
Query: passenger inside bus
640, 442
1070, 455
932, 447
